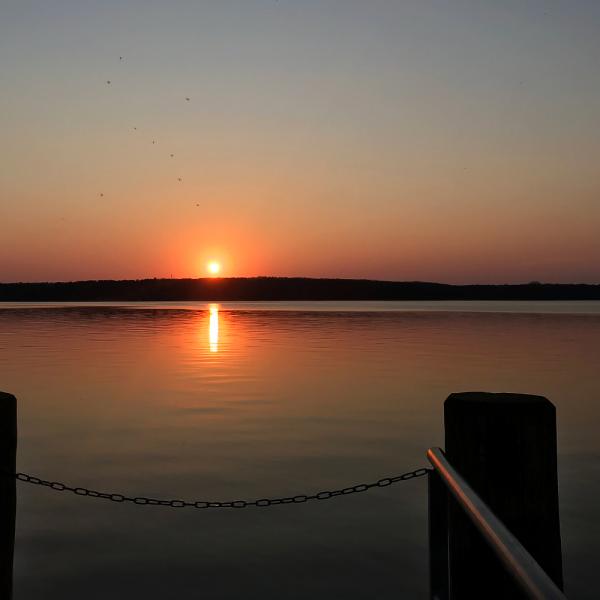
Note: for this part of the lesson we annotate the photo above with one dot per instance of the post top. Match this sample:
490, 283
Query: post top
5, 397
495, 398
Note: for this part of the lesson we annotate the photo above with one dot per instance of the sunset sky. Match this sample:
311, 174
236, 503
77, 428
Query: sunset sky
454, 141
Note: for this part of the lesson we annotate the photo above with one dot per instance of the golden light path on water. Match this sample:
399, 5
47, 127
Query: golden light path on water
213, 327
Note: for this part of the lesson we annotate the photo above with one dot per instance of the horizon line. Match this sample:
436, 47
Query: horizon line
297, 277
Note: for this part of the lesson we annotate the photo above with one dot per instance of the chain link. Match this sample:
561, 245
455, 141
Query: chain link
263, 502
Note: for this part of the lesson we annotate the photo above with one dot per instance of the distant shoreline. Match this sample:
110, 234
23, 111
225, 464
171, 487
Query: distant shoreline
284, 288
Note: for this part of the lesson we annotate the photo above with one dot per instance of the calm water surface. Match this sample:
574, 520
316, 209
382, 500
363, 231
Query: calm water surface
252, 400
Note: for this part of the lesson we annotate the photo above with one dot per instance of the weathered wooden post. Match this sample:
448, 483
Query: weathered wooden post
8, 503
504, 445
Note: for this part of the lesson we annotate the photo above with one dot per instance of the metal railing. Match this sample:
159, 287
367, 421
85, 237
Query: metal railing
528, 574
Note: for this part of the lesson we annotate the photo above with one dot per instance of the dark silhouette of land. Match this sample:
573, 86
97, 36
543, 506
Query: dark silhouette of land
285, 288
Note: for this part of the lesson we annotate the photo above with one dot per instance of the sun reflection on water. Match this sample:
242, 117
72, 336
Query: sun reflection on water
213, 327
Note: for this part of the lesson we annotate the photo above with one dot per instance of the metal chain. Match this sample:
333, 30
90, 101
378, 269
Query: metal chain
142, 500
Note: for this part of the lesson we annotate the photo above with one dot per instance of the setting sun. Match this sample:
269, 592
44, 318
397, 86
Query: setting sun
213, 268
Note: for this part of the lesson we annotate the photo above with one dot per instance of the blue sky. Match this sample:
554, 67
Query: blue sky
454, 141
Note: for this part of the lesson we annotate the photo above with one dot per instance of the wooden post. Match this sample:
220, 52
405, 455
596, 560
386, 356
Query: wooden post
438, 537
504, 445
8, 503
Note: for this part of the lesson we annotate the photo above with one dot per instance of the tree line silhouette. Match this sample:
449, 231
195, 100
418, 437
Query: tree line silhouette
285, 288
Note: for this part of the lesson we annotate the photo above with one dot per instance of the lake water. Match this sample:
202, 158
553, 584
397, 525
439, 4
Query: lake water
250, 400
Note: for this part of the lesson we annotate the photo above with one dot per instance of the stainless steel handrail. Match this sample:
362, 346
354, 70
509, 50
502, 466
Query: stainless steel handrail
517, 561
